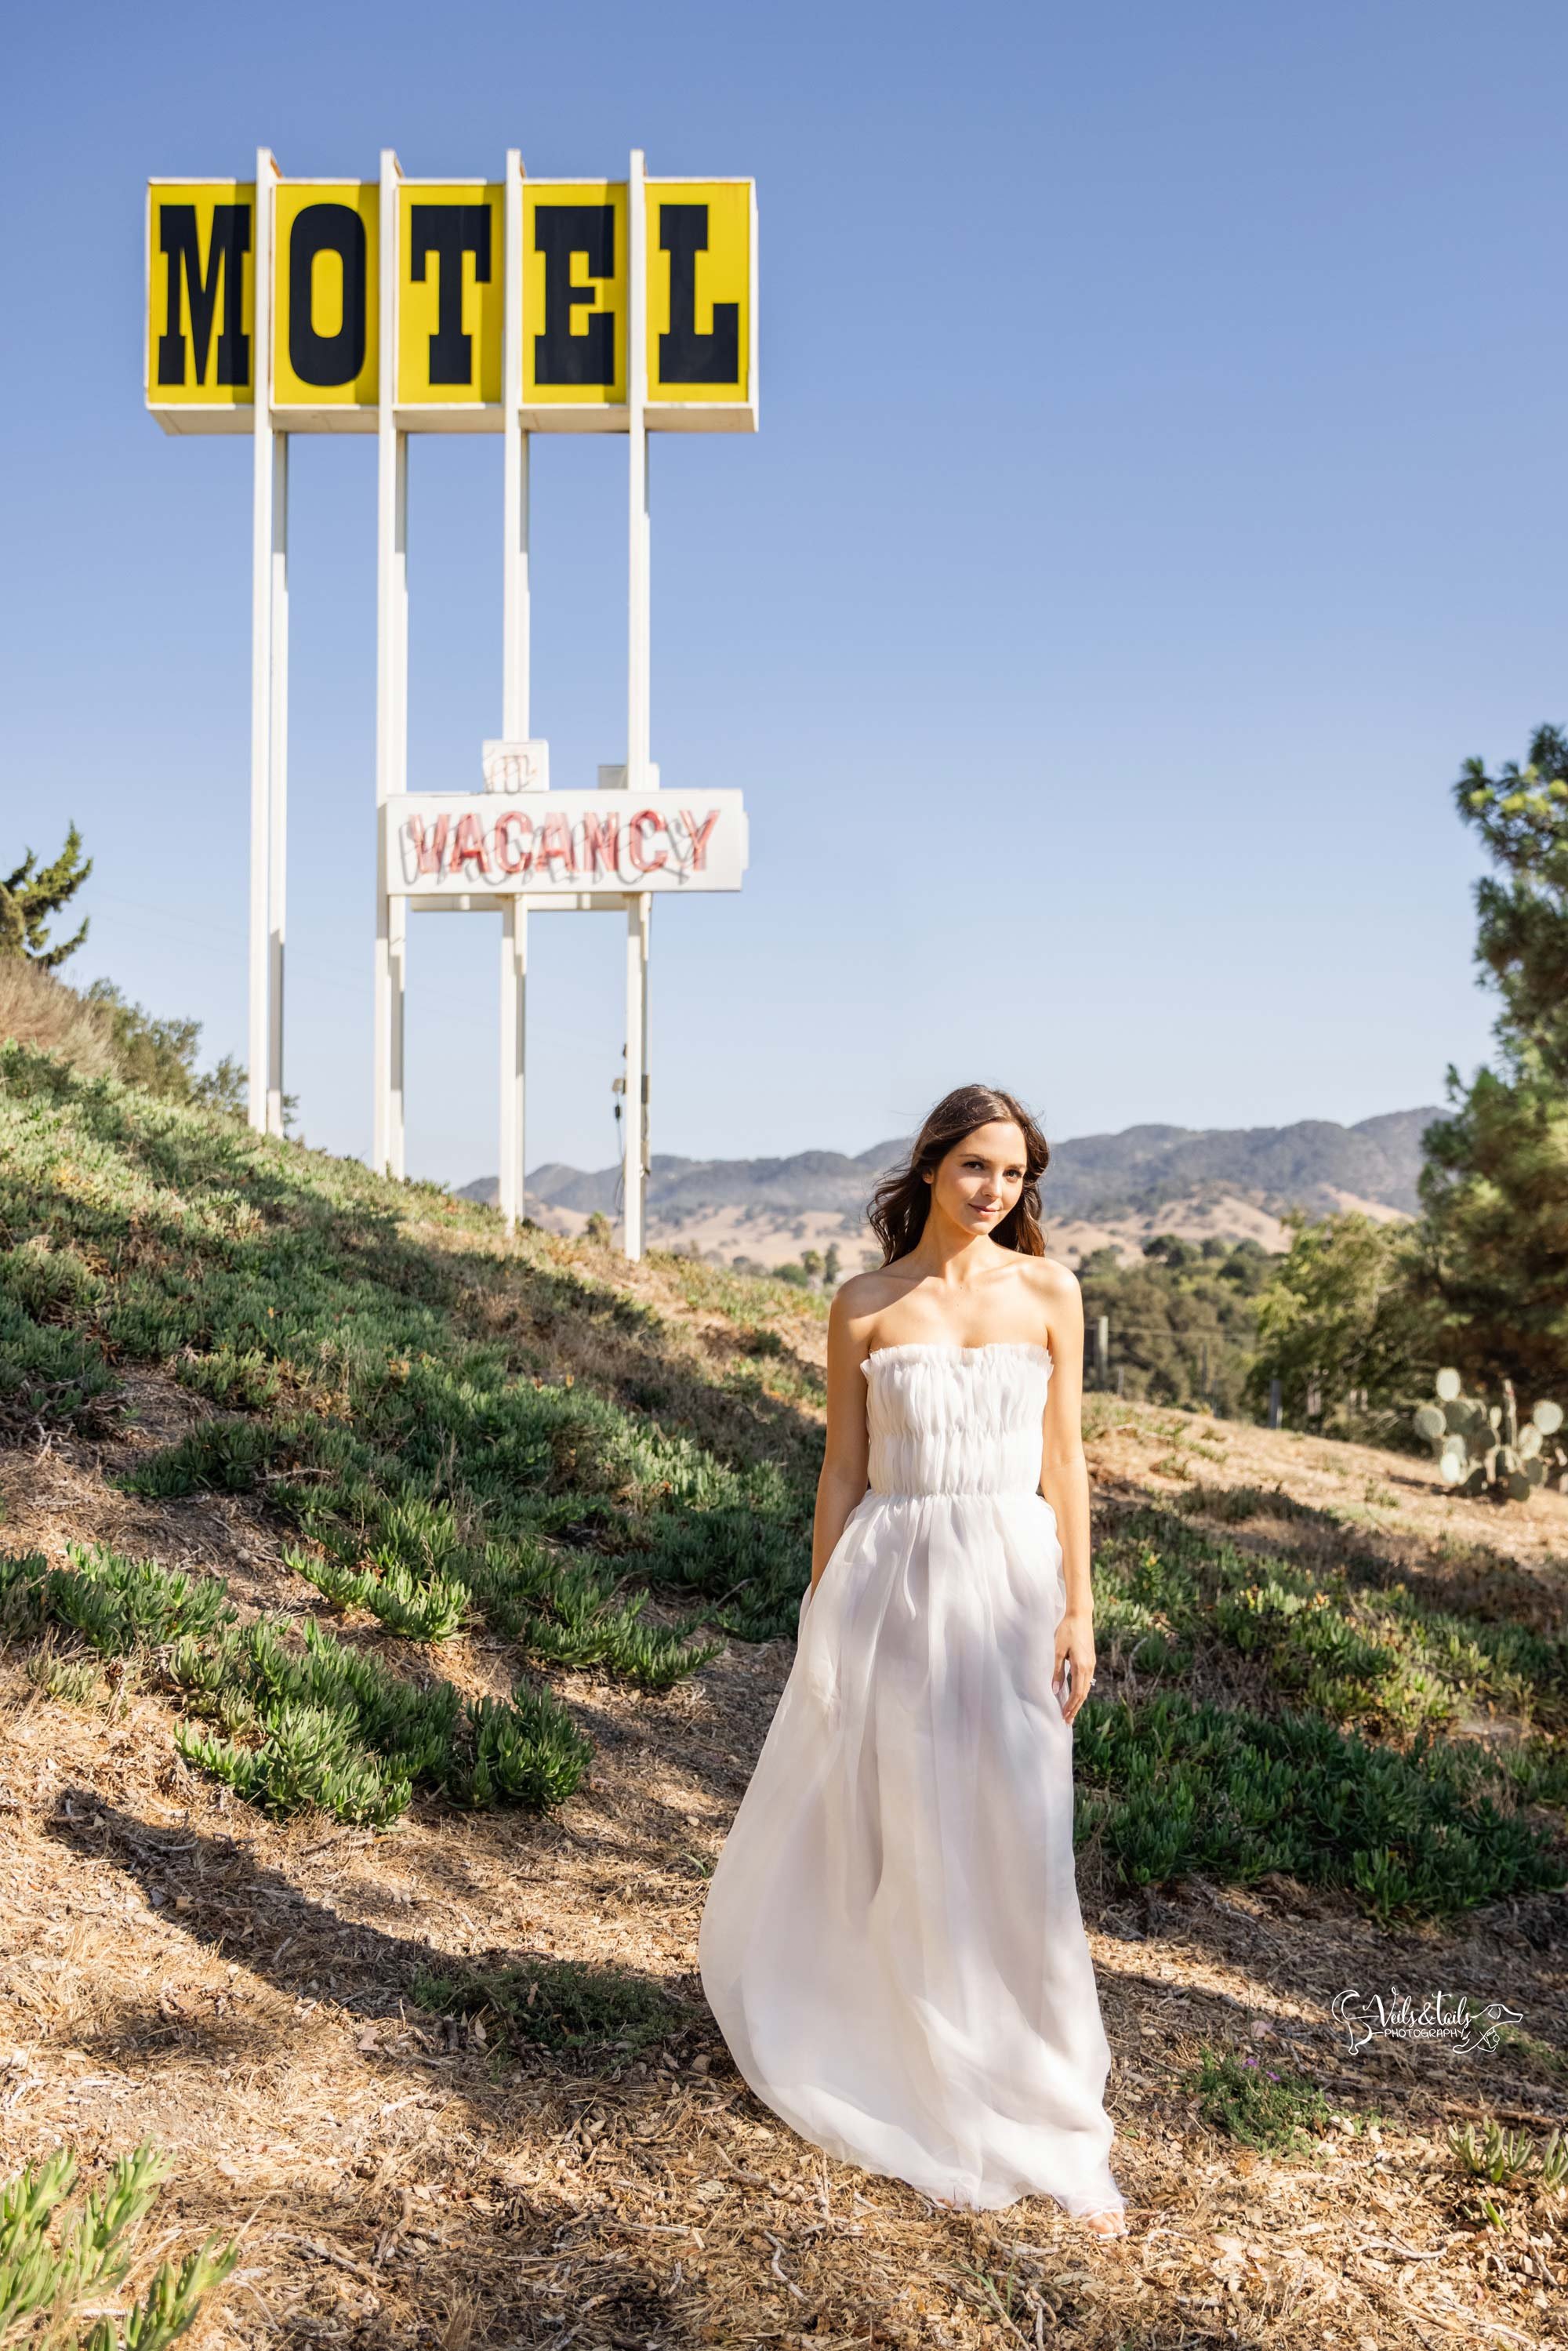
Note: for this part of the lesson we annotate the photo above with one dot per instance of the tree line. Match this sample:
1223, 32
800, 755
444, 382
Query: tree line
1357, 1317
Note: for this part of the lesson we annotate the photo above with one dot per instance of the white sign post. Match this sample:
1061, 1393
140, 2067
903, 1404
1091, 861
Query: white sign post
398, 306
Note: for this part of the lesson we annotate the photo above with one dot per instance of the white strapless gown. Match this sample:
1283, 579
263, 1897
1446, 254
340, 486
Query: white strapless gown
891, 1943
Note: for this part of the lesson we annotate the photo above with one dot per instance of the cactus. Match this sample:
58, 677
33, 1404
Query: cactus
1483, 1450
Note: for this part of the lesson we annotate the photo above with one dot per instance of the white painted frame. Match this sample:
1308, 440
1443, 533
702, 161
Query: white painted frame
516, 683
389, 1137
270, 429
268, 691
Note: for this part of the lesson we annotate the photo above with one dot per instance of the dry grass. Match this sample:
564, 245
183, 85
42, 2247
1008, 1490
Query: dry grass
175, 1965
41, 1011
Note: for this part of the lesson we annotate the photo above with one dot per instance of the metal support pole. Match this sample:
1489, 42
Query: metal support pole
266, 769
515, 699
639, 669
1103, 1351
639, 651
277, 827
392, 696
634, 1122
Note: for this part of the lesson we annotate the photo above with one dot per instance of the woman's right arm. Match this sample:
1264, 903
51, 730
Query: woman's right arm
845, 1457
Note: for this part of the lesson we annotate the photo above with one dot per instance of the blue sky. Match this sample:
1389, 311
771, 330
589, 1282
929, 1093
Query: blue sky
1160, 475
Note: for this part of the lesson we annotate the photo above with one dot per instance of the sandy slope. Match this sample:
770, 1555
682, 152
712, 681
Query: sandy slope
177, 1966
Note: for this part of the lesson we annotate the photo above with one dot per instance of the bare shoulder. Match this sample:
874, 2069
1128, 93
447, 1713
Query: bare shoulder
861, 1296
1054, 1287
1053, 1279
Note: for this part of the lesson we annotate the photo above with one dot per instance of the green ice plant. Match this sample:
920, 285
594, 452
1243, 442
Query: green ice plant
288, 1726
1486, 1449
1498, 2156
47, 2273
332, 1726
118, 1606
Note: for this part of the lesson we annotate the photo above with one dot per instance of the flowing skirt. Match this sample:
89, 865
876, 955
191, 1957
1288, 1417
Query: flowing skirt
891, 1943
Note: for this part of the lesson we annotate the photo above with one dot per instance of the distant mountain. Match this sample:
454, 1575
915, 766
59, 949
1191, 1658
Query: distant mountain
810, 1179
1305, 1166
1314, 1165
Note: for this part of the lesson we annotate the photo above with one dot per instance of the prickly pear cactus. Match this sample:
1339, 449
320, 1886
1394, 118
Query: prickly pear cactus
1483, 1450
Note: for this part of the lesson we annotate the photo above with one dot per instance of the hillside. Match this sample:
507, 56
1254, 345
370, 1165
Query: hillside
375, 1901
1101, 1190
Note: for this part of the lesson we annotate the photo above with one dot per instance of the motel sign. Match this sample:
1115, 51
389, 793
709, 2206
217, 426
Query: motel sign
394, 305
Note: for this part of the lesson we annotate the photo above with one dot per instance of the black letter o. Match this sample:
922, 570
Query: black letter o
327, 360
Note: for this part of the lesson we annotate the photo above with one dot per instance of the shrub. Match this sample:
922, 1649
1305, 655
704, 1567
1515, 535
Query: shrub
40, 1012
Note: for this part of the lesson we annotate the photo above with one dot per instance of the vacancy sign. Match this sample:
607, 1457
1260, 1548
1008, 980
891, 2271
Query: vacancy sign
447, 844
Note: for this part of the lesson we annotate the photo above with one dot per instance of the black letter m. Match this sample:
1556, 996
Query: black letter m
180, 246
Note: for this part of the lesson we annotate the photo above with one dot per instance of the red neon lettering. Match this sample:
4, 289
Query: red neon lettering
635, 851
601, 843
429, 849
698, 835
525, 856
555, 841
468, 843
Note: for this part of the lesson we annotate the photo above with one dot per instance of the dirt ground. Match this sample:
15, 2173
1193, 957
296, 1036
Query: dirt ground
174, 1965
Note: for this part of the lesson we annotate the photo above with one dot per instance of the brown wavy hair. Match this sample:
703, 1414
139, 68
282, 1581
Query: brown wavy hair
902, 1200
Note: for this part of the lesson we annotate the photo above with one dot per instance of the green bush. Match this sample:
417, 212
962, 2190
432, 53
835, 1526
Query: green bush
222, 1456
324, 1724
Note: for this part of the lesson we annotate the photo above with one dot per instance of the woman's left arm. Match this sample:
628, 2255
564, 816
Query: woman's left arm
1065, 1481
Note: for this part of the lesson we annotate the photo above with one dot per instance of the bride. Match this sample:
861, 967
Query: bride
891, 1942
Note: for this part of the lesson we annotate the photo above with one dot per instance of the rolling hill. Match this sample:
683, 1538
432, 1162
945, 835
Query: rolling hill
393, 1612
1101, 1190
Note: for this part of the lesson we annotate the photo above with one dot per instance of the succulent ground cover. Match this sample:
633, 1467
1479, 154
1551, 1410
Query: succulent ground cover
311, 1478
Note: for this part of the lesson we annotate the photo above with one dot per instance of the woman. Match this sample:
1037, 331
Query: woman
891, 1942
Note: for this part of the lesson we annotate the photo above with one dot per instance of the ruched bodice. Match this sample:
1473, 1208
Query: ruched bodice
956, 1420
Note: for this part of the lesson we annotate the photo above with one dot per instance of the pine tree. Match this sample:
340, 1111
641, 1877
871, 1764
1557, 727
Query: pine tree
1495, 1184
30, 898
1522, 938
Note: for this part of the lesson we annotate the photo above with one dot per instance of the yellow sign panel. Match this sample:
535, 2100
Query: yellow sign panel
451, 293
326, 293
699, 290
575, 276
455, 282
201, 293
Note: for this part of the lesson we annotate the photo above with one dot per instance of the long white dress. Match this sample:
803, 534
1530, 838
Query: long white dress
891, 1943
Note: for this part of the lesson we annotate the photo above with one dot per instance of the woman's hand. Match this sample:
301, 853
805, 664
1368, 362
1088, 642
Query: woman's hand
1074, 1647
